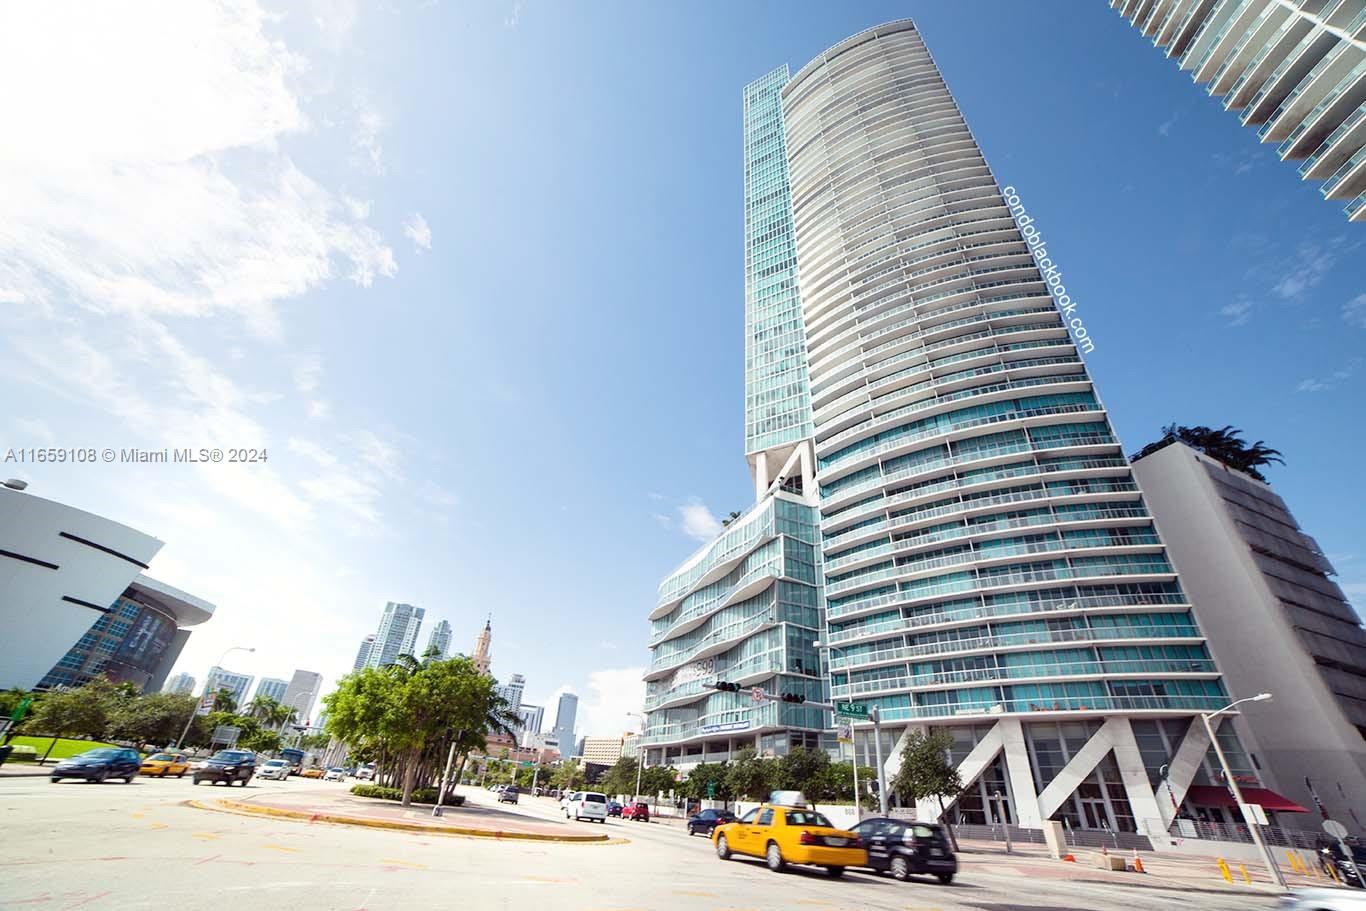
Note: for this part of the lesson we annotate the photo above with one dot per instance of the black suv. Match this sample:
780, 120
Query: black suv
228, 766
902, 847
97, 765
707, 820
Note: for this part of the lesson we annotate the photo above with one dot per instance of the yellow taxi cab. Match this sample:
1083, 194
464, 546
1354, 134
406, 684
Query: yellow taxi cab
166, 763
312, 773
786, 830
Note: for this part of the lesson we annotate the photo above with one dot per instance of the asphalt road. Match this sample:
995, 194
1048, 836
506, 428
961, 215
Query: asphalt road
117, 846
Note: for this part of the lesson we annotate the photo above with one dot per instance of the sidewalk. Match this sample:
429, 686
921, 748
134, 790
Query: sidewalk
26, 770
339, 807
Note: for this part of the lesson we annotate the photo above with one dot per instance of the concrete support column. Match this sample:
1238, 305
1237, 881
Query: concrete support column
1137, 788
760, 476
1021, 774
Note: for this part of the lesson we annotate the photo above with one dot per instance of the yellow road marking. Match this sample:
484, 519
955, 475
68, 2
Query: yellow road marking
694, 894
403, 863
160, 825
207, 836
282, 848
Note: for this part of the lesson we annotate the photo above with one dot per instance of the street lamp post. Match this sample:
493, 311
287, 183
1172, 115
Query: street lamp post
875, 716
1252, 825
218, 664
299, 734
640, 752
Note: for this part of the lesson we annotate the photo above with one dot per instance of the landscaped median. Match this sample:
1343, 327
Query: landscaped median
341, 808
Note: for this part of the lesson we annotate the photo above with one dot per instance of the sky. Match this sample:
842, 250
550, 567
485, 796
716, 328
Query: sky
472, 276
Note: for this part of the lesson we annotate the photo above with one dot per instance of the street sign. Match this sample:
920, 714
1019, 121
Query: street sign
711, 789
758, 693
852, 709
845, 732
226, 734
1335, 829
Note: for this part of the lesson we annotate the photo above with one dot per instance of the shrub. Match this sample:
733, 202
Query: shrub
23, 753
420, 795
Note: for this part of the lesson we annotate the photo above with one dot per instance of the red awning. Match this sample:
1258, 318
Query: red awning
1215, 796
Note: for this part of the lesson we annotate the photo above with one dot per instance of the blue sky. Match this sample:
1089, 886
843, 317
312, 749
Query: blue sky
472, 275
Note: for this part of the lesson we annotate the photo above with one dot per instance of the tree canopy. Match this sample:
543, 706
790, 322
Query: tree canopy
1223, 445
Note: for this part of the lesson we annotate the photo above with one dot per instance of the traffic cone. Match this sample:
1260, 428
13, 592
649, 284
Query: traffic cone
1138, 863
1069, 858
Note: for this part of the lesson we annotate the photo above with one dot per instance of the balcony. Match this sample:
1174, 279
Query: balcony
1075, 704
1047, 671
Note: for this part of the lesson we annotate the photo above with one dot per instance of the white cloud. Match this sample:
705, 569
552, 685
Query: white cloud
1237, 313
1165, 128
369, 154
515, 17
308, 372
1311, 262
611, 694
1330, 381
359, 208
1354, 311
418, 231
698, 521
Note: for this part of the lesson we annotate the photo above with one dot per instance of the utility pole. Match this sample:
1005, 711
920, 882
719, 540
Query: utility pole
1253, 827
876, 716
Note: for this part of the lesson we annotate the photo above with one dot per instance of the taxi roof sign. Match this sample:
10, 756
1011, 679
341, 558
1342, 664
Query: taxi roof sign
788, 799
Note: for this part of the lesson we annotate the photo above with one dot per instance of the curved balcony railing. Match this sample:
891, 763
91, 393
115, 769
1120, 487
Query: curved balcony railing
1093, 704
1025, 672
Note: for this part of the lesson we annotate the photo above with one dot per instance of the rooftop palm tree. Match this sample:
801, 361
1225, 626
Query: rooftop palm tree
1224, 445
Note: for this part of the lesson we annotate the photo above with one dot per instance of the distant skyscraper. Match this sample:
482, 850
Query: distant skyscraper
483, 655
532, 716
236, 684
397, 635
1296, 71
565, 713
512, 691
303, 692
439, 641
271, 688
363, 653
180, 683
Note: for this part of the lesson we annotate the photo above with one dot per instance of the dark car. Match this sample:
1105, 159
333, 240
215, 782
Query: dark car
228, 766
707, 820
613, 808
904, 848
97, 765
507, 795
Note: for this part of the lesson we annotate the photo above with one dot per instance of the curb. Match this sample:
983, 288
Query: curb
237, 806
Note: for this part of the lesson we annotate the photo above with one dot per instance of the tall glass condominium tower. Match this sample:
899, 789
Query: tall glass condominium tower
990, 566
746, 608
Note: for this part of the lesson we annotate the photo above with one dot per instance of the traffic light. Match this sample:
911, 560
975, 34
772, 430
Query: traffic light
727, 686
793, 697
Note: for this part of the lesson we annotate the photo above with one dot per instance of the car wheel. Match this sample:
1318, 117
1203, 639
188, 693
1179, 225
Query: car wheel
128, 779
723, 848
945, 878
901, 869
56, 778
774, 858
181, 775
197, 779
835, 872
100, 776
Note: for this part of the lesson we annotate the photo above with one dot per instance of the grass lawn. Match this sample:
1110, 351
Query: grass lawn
62, 750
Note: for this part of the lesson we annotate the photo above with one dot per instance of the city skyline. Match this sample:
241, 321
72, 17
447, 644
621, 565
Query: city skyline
1262, 330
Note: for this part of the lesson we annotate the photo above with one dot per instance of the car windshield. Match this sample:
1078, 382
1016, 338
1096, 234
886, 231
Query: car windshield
99, 754
231, 756
162, 757
807, 818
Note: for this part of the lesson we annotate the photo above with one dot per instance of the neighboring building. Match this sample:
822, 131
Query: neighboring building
363, 653
746, 608
483, 648
532, 717
302, 694
271, 688
544, 743
222, 679
601, 750
1296, 71
397, 635
181, 683
565, 712
512, 691
630, 746
60, 571
439, 642
1275, 620
138, 640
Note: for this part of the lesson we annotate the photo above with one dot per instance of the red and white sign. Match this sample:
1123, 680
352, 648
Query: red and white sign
758, 694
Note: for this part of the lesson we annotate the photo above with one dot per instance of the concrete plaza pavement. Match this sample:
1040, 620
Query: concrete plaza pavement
77, 845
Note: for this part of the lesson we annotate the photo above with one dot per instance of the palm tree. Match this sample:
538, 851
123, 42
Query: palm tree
262, 708
223, 701
1224, 445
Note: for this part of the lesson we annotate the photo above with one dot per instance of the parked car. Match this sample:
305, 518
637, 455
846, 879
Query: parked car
365, 772
97, 765
229, 767
707, 820
613, 808
275, 769
1324, 900
587, 805
507, 795
904, 848
168, 763
638, 811
336, 773
790, 833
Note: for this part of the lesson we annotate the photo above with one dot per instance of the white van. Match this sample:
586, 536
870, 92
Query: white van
587, 805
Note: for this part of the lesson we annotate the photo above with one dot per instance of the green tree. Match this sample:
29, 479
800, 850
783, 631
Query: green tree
839, 778
80, 712
223, 701
715, 774
806, 771
750, 776
656, 779
567, 776
926, 773
261, 740
620, 778
154, 718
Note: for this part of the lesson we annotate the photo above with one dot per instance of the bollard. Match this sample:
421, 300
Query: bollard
1224, 870
1243, 870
